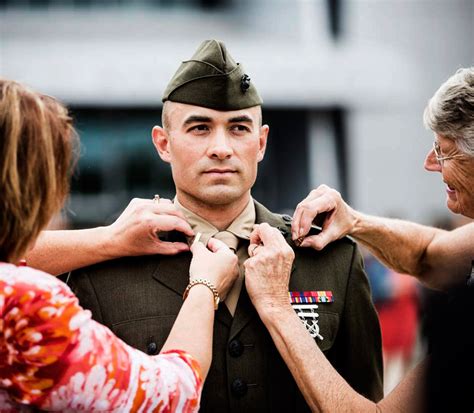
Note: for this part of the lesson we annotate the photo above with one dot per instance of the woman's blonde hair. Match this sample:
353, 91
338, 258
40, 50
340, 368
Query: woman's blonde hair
37, 142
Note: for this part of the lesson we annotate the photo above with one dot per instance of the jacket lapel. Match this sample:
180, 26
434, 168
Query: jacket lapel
262, 215
244, 313
173, 272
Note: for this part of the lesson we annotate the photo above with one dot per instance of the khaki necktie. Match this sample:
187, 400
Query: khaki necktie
228, 238
231, 240
234, 237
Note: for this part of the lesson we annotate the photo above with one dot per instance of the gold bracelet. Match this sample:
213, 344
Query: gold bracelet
208, 284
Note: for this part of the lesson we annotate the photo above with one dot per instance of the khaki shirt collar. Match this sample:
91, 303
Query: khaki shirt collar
241, 227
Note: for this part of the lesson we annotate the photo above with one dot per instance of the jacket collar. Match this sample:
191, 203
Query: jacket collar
173, 271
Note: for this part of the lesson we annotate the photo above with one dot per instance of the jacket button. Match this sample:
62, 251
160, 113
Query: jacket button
236, 348
239, 387
287, 218
151, 348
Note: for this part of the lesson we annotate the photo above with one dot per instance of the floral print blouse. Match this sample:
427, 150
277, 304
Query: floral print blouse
53, 356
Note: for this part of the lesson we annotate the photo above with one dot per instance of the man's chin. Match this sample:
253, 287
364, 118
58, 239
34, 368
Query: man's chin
221, 195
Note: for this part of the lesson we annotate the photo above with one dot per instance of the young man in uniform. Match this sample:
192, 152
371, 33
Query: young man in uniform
213, 138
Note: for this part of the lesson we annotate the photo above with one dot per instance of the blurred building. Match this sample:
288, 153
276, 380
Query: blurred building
344, 82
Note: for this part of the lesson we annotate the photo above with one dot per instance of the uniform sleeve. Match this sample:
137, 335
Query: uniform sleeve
54, 356
358, 349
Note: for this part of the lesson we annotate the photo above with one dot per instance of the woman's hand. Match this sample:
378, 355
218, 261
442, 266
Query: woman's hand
218, 264
135, 232
339, 219
267, 271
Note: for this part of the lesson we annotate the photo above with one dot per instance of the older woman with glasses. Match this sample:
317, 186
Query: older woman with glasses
53, 356
439, 259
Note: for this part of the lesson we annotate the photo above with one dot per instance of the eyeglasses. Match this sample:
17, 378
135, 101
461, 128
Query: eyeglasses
441, 159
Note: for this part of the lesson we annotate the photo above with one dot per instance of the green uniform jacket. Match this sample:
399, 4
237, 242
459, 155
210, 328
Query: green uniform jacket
140, 297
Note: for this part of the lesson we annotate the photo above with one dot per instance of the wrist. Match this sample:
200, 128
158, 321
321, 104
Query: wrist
357, 223
201, 292
274, 312
203, 282
272, 305
106, 244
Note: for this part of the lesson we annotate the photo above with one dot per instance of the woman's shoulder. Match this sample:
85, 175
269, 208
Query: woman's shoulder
22, 277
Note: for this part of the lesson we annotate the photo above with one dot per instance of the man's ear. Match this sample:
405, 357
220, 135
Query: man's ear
263, 141
161, 141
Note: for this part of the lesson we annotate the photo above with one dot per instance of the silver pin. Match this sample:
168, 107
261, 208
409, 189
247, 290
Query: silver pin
197, 237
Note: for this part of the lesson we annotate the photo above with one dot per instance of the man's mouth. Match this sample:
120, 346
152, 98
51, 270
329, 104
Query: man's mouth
220, 171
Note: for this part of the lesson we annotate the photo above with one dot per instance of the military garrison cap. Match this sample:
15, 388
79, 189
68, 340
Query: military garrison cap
212, 79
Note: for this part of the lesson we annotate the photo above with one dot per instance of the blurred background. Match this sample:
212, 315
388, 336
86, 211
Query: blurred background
344, 84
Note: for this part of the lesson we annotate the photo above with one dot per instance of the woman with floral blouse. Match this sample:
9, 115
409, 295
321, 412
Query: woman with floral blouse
53, 356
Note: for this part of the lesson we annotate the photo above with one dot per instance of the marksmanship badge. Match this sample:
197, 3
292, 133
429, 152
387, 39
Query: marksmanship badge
309, 317
304, 303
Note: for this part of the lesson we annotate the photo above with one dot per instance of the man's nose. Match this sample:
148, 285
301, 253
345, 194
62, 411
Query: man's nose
431, 163
220, 147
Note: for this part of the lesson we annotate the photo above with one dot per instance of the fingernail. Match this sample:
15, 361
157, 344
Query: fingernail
300, 232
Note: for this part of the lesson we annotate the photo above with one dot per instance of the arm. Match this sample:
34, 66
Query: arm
322, 386
133, 233
65, 360
437, 258
61, 360
357, 349
267, 279
193, 328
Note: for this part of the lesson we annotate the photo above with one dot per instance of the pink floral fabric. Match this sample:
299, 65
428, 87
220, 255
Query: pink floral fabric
55, 357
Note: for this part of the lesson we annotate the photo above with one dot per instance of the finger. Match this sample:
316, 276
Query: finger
148, 201
299, 210
216, 245
319, 192
252, 249
255, 235
295, 222
166, 208
171, 248
311, 209
308, 213
270, 236
198, 248
158, 201
319, 241
171, 223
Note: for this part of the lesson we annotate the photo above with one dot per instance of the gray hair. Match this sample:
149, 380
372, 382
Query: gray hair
450, 112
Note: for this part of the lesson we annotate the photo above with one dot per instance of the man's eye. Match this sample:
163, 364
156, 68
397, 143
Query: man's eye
240, 128
199, 128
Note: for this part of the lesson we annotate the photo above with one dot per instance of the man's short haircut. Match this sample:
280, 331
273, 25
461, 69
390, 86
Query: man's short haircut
450, 112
